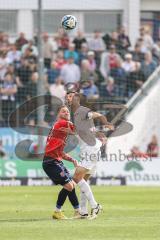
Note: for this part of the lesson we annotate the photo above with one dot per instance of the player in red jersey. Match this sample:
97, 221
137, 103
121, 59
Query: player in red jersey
53, 164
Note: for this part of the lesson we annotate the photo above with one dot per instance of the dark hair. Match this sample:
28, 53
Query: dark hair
71, 91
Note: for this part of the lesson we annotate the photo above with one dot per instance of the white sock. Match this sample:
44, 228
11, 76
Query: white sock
57, 209
84, 187
83, 203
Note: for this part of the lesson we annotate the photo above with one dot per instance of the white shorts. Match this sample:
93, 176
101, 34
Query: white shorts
89, 155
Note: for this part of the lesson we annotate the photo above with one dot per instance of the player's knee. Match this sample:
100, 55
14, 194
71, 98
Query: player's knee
69, 187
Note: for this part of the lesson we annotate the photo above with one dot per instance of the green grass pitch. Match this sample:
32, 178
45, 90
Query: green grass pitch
129, 213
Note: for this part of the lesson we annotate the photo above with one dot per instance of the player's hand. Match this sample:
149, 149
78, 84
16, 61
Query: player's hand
110, 127
103, 140
101, 136
75, 163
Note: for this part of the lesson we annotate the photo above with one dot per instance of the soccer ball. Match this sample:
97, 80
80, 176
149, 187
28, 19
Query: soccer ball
69, 22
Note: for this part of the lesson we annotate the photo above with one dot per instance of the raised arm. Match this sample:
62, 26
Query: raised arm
70, 129
102, 118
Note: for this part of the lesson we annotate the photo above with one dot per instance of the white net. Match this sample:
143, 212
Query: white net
107, 58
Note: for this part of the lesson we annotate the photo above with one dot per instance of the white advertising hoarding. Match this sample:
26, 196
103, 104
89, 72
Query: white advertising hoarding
140, 172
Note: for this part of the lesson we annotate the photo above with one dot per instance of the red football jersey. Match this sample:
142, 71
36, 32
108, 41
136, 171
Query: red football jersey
57, 139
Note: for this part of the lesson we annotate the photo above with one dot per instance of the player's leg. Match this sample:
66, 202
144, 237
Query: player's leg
74, 201
59, 175
63, 195
90, 164
68, 190
52, 170
83, 200
72, 194
88, 168
83, 185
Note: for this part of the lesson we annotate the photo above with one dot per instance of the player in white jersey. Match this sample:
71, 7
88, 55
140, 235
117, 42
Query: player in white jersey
90, 143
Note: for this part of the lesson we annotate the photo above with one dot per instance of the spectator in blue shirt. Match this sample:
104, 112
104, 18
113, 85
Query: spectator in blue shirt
148, 65
89, 89
53, 73
109, 89
83, 53
71, 51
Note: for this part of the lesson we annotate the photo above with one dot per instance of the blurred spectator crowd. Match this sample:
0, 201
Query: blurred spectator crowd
102, 66
152, 149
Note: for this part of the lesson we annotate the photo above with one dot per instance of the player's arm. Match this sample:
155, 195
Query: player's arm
67, 127
67, 130
102, 118
101, 136
67, 157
